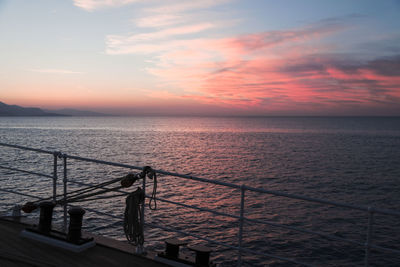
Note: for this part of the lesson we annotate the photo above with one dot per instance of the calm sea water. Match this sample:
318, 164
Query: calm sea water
351, 160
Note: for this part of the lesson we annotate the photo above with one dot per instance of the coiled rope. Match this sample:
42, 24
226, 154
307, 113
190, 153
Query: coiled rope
133, 221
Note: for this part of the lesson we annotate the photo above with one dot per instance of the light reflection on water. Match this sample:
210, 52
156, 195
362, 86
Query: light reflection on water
354, 160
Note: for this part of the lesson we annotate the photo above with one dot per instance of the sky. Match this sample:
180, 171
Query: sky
204, 57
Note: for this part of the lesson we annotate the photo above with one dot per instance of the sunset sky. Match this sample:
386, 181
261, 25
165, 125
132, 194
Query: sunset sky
220, 57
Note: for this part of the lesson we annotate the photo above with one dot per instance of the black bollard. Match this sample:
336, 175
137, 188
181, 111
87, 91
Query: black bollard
46, 214
202, 255
75, 224
172, 247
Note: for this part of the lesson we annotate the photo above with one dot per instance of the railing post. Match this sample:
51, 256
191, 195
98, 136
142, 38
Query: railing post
369, 235
241, 219
144, 193
140, 247
65, 180
55, 156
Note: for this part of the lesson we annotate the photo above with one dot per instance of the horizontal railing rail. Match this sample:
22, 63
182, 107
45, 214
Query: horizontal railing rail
27, 148
170, 229
27, 172
216, 182
19, 193
241, 218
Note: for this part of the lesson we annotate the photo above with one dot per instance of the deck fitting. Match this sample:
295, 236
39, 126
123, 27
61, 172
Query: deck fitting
75, 224
202, 254
46, 214
172, 247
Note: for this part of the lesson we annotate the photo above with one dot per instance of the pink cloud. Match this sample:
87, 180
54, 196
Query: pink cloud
160, 20
181, 6
91, 5
270, 71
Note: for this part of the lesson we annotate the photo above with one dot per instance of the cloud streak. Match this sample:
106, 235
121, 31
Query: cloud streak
162, 27
184, 6
116, 41
91, 5
56, 71
160, 20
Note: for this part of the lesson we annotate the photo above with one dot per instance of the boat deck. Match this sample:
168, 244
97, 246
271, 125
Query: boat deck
18, 251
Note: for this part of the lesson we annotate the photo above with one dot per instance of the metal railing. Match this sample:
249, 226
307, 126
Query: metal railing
242, 219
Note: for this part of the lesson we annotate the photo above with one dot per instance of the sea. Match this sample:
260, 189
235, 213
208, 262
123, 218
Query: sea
353, 160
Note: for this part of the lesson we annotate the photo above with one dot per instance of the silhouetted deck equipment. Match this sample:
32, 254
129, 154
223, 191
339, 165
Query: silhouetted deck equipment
19, 251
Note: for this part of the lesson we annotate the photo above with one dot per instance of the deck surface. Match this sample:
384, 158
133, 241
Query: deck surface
18, 251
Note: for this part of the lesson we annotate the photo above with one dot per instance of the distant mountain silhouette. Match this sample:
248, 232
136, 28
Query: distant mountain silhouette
76, 112
14, 110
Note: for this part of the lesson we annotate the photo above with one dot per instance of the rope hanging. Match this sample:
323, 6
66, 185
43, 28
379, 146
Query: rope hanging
133, 221
153, 176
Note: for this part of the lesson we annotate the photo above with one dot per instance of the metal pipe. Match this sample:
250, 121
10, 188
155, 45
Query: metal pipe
105, 162
390, 250
27, 148
369, 236
140, 248
258, 221
293, 228
321, 201
260, 190
197, 208
21, 194
240, 236
277, 193
28, 172
65, 180
226, 245
55, 156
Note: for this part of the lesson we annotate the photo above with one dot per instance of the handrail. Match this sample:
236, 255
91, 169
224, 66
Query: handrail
254, 189
321, 201
24, 171
27, 148
229, 246
243, 188
21, 194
